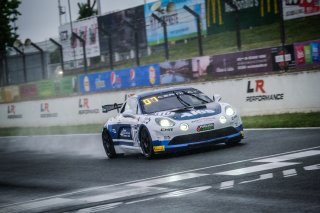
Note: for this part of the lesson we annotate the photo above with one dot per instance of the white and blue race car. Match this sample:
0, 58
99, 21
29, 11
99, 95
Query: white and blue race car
169, 120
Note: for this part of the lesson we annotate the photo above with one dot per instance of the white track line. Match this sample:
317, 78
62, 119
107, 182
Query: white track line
176, 173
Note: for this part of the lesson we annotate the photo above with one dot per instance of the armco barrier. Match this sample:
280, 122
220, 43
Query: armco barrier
290, 92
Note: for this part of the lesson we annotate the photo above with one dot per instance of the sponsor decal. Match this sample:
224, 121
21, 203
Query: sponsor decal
84, 107
202, 120
166, 129
164, 113
307, 54
283, 57
146, 120
86, 84
158, 148
293, 9
125, 133
196, 112
100, 83
152, 75
45, 111
132, 78
234, 117
115, 80
262, 95
205, 127
12, 112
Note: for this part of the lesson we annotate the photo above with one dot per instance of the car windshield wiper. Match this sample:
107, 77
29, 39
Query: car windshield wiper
183, 102
201, 99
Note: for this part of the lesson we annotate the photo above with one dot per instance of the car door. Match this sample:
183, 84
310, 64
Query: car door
129, 115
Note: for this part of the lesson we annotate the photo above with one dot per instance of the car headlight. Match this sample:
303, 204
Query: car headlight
223, 119
184, 127
229, 111
165, 122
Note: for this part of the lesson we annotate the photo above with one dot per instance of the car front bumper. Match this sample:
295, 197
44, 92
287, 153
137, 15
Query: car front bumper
201, 139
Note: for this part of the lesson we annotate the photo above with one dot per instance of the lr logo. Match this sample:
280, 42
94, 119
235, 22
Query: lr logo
258, 87
84, 103
12, 112
260, 95
84, 107
12, 109
45, 112
44, 107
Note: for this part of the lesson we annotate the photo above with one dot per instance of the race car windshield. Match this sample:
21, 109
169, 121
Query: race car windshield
173, 100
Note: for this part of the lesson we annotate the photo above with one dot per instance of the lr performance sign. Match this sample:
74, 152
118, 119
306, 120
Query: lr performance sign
256, 92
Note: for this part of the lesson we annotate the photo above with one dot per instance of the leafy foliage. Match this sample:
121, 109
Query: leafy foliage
8, 15
86, 9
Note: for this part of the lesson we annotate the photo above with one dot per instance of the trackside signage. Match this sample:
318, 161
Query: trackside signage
45, 111
257, 92
277, 93
13, 113
84, 107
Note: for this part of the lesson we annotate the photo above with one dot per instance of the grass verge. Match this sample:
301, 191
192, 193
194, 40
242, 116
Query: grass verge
264, 121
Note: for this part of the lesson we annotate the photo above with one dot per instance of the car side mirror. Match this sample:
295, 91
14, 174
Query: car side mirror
128, 114
217, 98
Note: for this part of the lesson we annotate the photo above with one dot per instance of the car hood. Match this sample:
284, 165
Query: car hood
209, 109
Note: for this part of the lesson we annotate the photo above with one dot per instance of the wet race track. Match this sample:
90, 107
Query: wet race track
271, 171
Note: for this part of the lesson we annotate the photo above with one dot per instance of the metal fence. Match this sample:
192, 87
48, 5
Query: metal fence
225, 27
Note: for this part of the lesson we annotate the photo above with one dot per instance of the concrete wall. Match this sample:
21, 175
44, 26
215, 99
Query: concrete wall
291, 92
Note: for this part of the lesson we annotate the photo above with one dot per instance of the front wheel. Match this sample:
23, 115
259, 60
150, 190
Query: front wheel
146, 143
108, 144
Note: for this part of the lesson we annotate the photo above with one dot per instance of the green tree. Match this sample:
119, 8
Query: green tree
86, 9
8, 16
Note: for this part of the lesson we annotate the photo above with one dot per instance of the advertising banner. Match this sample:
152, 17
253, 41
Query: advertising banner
180, 23
148, 75
221, 16
201, 66
94, 82
122, 34
11, 93
66, 86
283, 58
240, 63
1, 95
29, 91
307, 54
72, 47
175, 71
293, 9
46, 88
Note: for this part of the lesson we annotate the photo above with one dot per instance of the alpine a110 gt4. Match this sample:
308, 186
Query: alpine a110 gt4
168, 120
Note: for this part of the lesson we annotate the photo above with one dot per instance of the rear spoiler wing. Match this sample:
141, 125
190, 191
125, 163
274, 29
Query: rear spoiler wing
110, 107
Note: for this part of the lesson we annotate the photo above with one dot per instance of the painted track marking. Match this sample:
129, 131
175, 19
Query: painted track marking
135, 181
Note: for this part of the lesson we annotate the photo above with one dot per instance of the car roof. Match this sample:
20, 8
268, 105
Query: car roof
148, 93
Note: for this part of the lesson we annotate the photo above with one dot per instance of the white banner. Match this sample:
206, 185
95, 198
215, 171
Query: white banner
72, 47
300, 8
273, 94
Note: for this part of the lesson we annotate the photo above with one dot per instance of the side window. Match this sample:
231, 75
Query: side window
132, 106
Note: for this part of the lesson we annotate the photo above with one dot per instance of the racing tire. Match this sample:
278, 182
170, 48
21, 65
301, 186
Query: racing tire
108, 144
146, 143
